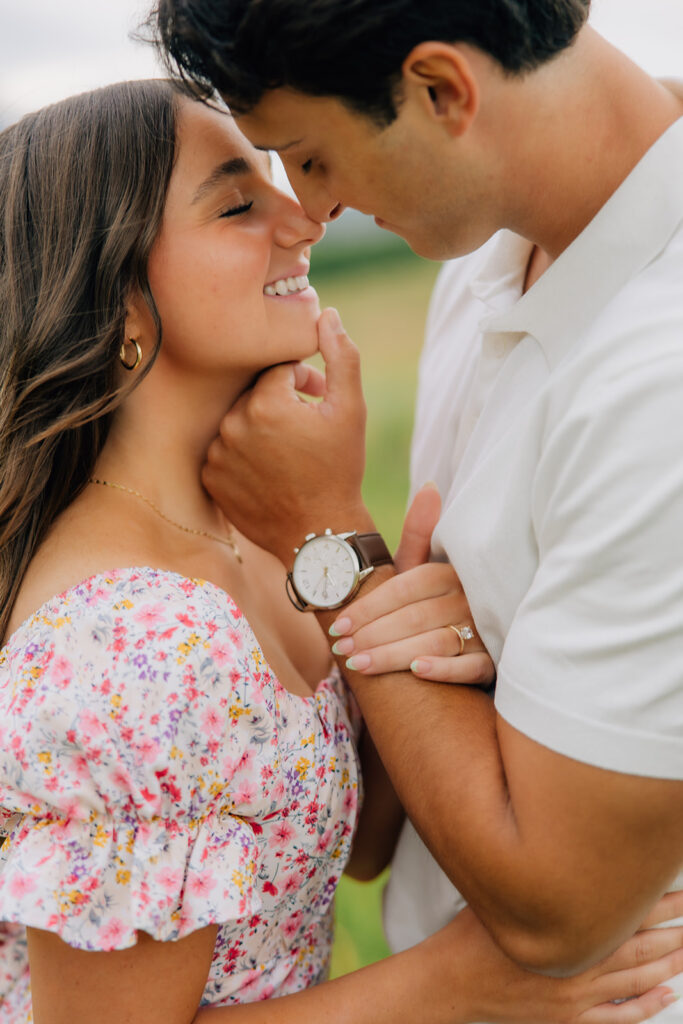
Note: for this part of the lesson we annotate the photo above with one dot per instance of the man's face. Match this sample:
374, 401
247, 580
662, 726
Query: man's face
412, 176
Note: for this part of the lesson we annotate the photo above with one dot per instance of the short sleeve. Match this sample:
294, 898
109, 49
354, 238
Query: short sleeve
592, 666
138, 733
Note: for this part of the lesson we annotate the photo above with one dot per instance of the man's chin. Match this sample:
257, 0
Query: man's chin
430, 248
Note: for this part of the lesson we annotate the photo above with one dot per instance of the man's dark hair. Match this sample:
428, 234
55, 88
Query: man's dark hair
348, 49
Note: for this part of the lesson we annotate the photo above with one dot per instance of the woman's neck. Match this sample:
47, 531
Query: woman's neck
159, 439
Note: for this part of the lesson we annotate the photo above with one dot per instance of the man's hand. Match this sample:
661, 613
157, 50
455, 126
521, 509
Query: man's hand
496, 989
282, 466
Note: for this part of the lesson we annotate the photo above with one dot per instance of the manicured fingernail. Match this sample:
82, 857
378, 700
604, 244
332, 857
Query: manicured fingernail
358, 662
672, 997
420, 668
344, 646
340, 627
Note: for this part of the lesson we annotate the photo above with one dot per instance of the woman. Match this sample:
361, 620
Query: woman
179, 796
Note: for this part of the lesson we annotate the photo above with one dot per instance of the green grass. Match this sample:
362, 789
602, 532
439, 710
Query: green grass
383, 305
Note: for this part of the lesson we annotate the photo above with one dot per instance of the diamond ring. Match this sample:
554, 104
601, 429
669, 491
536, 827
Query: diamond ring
463, 633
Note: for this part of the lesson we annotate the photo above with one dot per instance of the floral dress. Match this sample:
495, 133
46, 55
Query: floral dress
156, 776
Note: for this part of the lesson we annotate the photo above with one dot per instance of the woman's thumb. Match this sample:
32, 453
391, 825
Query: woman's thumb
416, 538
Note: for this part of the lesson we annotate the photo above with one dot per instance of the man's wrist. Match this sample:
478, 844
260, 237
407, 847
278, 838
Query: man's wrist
327, 618
354, 518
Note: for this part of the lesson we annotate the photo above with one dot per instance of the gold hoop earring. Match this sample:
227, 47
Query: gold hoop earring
138, 354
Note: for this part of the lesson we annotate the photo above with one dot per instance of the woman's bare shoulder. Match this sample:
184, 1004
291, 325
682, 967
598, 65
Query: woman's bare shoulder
86, 540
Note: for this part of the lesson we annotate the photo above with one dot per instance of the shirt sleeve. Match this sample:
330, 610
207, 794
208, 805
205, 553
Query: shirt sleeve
139, 739
592, 666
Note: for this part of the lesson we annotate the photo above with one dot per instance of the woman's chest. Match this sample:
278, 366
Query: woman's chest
292, 642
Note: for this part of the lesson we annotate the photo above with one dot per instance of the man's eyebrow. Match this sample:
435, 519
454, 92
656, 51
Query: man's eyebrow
228, 169
279, 149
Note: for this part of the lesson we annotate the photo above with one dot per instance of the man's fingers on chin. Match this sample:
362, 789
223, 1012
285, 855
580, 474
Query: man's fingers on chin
208, 477
342, 358
645, 947
308, 380
670, 906
273, 380
637, 981
632, 1012
214, 452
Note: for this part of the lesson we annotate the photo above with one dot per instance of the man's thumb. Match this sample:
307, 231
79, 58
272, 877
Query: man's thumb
342, 359
416, 538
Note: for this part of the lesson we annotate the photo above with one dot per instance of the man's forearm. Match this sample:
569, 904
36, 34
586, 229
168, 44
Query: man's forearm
439, 746
551, 888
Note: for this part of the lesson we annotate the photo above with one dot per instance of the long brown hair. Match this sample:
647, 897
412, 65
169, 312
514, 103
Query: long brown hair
82, 191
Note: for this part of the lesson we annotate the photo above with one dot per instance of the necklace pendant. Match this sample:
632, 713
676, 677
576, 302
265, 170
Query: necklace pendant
228, 541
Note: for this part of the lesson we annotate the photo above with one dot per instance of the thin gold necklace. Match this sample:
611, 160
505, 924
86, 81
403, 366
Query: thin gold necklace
227, 541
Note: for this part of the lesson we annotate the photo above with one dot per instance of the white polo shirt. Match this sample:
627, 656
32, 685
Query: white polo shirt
552, 423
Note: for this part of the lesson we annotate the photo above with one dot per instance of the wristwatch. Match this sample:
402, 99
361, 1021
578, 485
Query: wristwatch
330, 567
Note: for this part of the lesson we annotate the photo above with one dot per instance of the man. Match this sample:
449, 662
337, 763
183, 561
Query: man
549, 417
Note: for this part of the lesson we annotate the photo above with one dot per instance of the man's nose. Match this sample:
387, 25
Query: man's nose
318, 203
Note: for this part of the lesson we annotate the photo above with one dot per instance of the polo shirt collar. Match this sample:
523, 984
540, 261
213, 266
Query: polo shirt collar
630, 230
499, 283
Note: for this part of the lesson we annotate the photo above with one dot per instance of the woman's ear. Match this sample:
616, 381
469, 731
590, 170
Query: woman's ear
140, 324
443, 80
138, 316
139, 332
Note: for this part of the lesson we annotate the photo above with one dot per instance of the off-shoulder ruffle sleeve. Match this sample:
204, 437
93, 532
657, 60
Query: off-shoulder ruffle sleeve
138, 742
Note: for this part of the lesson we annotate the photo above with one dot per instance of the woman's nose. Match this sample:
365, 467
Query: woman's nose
296, 227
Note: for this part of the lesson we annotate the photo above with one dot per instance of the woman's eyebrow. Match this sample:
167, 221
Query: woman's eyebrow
228, 169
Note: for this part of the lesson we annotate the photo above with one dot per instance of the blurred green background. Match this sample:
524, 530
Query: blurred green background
382, 298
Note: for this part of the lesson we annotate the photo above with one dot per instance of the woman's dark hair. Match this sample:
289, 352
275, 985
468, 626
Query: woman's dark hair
82, 191
349, 49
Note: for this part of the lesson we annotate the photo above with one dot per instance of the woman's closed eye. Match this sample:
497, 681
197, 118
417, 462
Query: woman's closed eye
233, 211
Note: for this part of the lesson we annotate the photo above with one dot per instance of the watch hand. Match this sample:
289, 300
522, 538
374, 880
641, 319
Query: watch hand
322, 582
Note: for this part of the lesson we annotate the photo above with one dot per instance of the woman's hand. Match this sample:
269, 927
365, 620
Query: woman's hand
418, 620
498, 990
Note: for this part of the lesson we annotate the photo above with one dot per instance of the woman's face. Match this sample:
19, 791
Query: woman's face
228, 269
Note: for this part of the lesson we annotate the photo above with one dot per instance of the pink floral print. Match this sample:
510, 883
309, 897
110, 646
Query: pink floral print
155, 776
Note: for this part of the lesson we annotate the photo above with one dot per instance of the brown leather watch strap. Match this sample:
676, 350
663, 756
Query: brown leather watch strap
372, 549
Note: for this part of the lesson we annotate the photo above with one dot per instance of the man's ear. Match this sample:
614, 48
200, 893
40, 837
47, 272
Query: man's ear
443, 79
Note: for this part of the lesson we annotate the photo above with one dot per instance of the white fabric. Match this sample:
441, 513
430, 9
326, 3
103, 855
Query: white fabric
552, 423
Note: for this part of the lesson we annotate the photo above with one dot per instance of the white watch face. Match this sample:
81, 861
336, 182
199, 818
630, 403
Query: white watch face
325, 571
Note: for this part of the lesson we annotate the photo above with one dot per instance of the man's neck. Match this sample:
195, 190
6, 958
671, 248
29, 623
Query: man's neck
597, 115
539, 261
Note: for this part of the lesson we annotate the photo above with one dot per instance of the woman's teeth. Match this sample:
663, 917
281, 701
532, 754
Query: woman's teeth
287, 286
